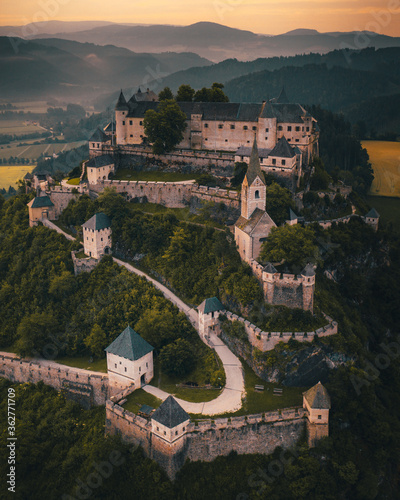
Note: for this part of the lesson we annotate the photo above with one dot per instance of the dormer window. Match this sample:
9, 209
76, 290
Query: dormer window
257, 194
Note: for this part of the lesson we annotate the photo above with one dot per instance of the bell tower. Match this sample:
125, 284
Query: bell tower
253, 186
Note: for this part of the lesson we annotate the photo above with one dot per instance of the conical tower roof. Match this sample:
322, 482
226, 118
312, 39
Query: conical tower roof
254, 168
121, 103
282, 98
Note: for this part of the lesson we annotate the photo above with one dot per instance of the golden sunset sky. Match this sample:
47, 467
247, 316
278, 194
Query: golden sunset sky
260, 16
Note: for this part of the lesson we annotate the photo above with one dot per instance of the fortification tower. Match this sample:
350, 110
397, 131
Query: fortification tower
209, 311
317, 404
121, 111
253, 187
97, 236
308, 276
269, 277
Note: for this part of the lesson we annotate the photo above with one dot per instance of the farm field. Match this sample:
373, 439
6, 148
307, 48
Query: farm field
19, 127
34, 151
385, 160
10, 174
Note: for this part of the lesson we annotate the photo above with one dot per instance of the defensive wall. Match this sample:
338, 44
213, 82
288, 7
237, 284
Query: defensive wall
82, 386
169, 194
266, 341
206, 440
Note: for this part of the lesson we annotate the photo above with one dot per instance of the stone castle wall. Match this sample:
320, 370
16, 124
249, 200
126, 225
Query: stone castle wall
169, 194
61, 197
209, 439
83, 265
266, 341
80, 385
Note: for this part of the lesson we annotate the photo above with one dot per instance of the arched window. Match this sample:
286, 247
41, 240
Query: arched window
257, 194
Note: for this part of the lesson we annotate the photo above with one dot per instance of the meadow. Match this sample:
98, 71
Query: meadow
385, 160
19, 127
35, 150
10, 174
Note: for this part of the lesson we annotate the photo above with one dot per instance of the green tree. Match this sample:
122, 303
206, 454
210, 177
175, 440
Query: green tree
165, 127
96, 341
213, 94
320, 178
292, 244
177, 358
185, 93
165, 94
278, 202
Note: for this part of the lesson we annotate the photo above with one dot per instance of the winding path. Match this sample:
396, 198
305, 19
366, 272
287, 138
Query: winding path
230, 399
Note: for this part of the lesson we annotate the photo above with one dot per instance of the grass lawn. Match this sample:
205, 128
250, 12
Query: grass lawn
388, 208
81, 255
139, 398
264, 401
99, 365
11, 174
127, 174
74, 181
385, 160
64, 228
168, 384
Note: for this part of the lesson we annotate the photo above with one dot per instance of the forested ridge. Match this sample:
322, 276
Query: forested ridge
59, 442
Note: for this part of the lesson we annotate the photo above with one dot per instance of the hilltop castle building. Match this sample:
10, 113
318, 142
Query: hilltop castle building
97, 236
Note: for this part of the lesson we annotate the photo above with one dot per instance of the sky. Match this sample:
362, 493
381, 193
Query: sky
260, 16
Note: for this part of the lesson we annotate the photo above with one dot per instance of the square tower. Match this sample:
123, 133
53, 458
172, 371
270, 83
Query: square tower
97, 236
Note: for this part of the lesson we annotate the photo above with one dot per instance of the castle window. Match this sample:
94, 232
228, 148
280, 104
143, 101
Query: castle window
289, 128
206, 139
206, 125
220, 125
92, 239
283, 162
115, 365
232, 127
297, 140
101, 239
165, 433
183, 429
267, 129
130, 122
123, 122
319, 417
176, 433
226, 140
91, 169
131, 135
140, 123
126, 369
140, 368
257, 194
254, 128
245, 127
280, 128
273, 161
147, 365
308, 129
158, 428
93, 145
297, 129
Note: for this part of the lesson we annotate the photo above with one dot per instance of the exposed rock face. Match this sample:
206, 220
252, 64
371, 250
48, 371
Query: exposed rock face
293, 368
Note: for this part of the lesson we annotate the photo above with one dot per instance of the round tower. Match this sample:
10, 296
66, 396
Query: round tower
308, 277
121, 112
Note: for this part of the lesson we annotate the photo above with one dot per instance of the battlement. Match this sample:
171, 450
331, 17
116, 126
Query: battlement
266, 341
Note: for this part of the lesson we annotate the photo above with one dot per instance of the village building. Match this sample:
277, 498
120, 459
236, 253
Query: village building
99, 168
97, 236
254, 224
129, 361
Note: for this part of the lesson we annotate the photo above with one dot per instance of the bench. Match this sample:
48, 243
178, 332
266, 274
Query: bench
278, 392
259, 387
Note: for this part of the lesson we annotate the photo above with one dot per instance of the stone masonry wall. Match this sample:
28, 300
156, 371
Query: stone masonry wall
93, 389
209, 439
266, 341
172, 195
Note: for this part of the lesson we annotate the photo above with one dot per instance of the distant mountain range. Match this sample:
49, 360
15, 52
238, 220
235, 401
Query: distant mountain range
213, 41
61, 68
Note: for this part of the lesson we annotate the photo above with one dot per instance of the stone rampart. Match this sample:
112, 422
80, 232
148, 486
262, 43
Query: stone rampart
81, 385
208, 439
266, 341
169, 194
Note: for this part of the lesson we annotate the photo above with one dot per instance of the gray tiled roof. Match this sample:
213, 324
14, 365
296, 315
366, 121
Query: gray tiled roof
373, 214
269, 268
292, 215
246, 151
210, 305
248, 225
100, 161
283, 149
121, 103
318, 397
42, 201
254, 169
170, 413
97, 222
308, 270
284, 113
129, 345
99, 136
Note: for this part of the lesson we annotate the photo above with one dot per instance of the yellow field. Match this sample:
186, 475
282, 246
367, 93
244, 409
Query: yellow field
385, 160
10, 174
